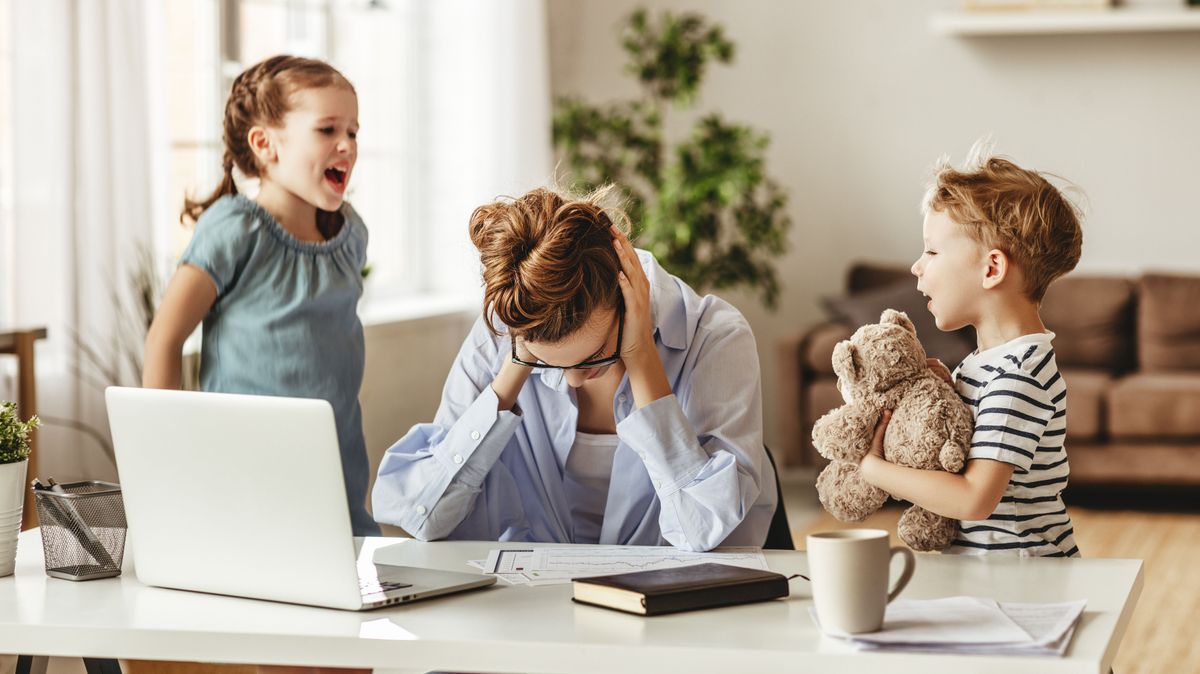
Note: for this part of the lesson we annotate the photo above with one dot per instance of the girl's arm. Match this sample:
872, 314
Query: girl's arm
970, 495
188, 298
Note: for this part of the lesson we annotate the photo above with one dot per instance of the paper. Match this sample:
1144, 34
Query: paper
554, 565
973, 625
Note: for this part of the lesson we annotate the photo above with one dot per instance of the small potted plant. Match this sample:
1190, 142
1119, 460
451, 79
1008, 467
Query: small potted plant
14, 455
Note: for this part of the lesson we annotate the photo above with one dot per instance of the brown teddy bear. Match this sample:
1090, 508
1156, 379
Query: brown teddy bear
883, 366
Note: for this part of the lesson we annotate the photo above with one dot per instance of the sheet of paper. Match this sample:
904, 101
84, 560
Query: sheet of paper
1044, 629
952, 620
553, 565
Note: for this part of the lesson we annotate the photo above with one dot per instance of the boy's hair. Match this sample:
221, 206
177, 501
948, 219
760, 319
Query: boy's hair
548, 261
261, 96
1015, 210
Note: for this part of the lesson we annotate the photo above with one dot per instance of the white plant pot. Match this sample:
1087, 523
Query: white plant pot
12, 495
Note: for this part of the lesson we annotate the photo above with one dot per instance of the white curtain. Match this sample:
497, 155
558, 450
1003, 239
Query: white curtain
89, 157
488, 121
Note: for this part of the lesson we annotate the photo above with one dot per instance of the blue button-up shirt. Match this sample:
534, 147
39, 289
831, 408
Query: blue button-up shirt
690, 469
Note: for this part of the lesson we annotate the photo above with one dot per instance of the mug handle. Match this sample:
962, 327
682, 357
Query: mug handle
910, 563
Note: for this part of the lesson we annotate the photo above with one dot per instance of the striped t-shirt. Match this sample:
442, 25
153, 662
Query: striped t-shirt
1019, 402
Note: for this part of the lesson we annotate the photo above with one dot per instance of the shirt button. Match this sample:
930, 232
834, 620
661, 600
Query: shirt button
458, 458
421, 510
621, 398
474, 435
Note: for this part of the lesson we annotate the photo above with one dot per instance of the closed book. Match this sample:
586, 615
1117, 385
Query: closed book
681, 589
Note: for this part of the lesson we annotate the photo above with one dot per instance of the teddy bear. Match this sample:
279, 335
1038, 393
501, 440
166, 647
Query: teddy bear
883, 366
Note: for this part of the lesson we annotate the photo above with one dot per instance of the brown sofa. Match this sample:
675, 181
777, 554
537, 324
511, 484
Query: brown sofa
1129, 349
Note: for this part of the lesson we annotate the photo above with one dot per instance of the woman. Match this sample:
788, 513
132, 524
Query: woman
597, 400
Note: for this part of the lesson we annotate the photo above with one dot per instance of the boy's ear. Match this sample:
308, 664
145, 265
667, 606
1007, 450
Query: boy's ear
996, 268
260, 144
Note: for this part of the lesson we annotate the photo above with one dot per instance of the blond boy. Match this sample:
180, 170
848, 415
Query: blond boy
995, 237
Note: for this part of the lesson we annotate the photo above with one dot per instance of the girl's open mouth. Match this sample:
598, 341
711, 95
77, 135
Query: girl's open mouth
336, 179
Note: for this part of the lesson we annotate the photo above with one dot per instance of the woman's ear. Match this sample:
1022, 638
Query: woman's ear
996, 268
261, 144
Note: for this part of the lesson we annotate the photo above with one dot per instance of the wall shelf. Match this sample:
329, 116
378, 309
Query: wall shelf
1062, 22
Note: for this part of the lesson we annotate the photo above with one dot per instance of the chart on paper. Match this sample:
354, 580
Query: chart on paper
549, 565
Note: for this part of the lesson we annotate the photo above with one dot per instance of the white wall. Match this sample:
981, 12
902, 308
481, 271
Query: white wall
859, 98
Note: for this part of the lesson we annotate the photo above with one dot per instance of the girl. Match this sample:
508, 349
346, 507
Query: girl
597, 400
276, 279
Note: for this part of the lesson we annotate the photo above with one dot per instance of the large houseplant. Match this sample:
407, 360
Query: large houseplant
14, 455
705, 205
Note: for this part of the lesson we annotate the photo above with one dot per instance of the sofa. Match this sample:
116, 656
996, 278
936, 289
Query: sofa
1128, 347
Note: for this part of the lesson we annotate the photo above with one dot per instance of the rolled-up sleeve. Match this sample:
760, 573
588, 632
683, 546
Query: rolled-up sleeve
429, 481
703, 447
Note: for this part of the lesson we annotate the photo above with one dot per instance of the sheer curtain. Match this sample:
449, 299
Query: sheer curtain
88, 162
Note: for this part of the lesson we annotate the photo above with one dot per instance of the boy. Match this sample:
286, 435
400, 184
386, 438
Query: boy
995, 238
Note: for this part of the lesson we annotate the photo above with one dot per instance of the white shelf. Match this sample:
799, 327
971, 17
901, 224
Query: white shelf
1058, 22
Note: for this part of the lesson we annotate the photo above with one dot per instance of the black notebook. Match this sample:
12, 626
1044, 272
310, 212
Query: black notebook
682, 589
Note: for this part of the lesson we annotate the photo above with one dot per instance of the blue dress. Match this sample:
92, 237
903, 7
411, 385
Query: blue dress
285, 321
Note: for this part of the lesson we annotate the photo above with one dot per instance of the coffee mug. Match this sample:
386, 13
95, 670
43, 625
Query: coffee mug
849, 572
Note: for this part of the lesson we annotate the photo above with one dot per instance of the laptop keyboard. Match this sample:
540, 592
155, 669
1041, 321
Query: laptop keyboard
374, 586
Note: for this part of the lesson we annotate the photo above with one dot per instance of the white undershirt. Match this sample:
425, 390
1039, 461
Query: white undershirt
586, 477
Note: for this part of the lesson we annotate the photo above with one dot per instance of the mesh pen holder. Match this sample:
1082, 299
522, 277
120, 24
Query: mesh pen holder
83, 530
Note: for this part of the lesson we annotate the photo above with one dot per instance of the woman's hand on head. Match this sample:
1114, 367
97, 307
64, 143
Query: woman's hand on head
638, 338
646, 376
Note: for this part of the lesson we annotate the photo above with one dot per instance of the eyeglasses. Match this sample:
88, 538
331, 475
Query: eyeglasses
585, 365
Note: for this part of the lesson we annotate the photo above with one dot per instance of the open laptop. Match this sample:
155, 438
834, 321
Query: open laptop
243, 495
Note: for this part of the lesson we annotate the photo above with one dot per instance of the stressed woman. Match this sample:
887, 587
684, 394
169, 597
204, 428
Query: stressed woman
598, 399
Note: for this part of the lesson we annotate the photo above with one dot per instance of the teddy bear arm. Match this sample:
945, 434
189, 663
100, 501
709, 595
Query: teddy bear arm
845, 433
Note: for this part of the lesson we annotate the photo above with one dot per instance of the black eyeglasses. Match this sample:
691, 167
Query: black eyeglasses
585, 365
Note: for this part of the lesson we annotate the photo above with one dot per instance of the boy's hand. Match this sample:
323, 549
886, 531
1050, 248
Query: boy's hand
880, 430
939, 368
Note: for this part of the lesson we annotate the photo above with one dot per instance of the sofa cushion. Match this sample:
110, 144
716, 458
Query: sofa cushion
1169, 323
1158, 404
818, 346
862, 308
1093, 321
1086, 393
864, 276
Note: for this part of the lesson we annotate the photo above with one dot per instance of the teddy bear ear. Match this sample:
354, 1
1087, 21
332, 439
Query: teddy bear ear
898, 318
846, 360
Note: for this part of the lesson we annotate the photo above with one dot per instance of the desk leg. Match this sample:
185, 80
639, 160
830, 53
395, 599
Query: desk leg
102, 666
32, 664
27, 407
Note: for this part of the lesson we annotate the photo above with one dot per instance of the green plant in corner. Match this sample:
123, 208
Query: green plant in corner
14, 434
705, 207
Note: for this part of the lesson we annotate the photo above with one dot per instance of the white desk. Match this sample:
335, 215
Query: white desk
535, 629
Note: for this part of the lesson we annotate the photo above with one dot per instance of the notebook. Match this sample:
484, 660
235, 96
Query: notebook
683, 589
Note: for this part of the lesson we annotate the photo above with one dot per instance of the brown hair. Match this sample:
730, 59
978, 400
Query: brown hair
1015, 210
261, 96
548, 261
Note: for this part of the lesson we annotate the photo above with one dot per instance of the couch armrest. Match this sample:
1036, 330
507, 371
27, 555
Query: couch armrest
796, 372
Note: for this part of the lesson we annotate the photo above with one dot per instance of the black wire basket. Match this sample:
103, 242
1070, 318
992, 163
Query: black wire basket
83, 530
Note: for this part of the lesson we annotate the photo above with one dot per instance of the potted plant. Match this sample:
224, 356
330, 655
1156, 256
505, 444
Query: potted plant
14, 455
704, 204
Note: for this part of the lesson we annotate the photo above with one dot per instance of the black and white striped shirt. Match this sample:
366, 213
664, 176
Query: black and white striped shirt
1019, 402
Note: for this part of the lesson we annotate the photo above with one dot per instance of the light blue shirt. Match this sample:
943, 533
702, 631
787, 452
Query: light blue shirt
690, 469
285, 321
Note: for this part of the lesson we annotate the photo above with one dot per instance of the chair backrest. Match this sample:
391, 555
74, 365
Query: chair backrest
779, 534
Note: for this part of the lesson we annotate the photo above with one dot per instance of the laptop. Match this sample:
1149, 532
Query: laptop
243, 495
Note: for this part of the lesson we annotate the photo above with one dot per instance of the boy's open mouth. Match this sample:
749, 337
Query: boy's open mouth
336, 178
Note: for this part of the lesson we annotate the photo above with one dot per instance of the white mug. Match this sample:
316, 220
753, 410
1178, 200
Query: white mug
849, 572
